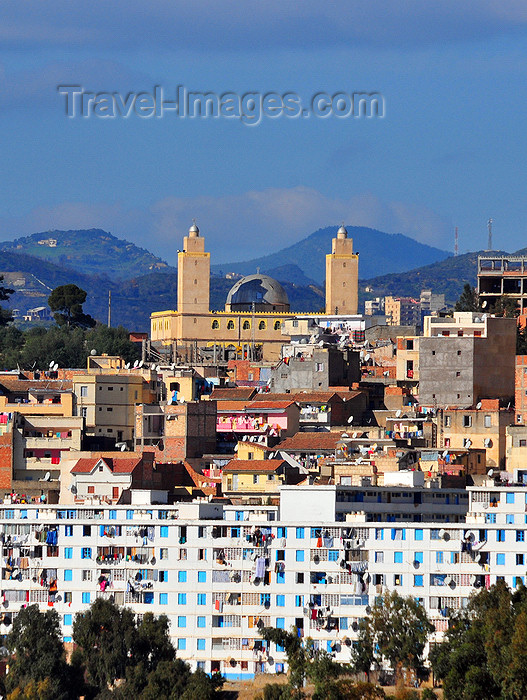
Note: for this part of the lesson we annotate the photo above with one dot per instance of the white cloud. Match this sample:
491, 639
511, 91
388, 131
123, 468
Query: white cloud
237, 227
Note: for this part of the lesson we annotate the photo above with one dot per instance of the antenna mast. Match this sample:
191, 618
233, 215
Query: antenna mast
456, 244
489, 226
109, 308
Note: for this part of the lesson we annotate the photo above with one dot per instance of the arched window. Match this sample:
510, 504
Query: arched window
215, 325
246, 325
261, 326
277, 325
230, 326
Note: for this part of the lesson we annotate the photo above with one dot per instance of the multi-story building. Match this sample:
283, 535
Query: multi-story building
502, 276
465, 358
402, 311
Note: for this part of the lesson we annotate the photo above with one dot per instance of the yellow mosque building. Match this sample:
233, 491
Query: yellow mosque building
256, 306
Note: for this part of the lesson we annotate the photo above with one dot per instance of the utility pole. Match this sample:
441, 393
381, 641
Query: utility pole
109, 308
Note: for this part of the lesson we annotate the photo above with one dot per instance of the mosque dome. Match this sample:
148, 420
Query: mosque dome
261, 290
193, 230
342, 232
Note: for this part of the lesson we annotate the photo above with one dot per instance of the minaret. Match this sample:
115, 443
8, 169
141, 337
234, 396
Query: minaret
342, 276
193, 269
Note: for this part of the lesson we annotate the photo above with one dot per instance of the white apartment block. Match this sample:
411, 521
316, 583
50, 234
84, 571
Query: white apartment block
222, 572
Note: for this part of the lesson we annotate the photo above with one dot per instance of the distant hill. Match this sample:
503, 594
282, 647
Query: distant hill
444, 277
379, 252
88, 252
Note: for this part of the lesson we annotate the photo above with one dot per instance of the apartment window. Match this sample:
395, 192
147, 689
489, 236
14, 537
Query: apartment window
280, 577
202, 577
439, 557
182, 621
202, 554
398, 580
163, 599
201, 644
86, 553
397, 557
333, 555
500, 559
379, 557
84, 412
520, 535
68, 619
163, 576
418, 580
488, 421
281, 532
68, 574
163, 553
467, 421
500, 535
299, 533
86, 596
129, 514
86, 530
509, 519
299, 555
280, 623
68, 597
509, 498
520, 559
202, 599
91, 489
409, 344
182, 576
300, 577
181, 644
280, 601
299, 601
319, 367
419, 557
490, 518
255, 478
418, 534
163, 531
86, 575
201, 621
448, 421
181, 598
68, 552
379, 533
68, 530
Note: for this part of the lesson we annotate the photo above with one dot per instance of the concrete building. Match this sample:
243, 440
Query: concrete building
313, 368
503, 276
466, 358
256, 307
402, 311
342, 276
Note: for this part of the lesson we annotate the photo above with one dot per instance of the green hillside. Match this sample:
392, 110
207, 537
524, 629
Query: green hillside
444, 277
88, 252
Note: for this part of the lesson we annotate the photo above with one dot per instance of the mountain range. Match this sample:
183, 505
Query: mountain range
141, 282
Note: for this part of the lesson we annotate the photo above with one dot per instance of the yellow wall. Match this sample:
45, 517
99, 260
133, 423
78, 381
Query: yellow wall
342, 276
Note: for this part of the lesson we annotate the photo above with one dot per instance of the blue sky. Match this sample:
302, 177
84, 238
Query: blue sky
449, 152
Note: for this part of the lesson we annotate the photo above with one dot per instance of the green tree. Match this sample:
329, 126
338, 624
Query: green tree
506, 307
38, 658
469, 300
297, 657
363, 652
11, 343
398, 628
66, 301
105, 635
112, 341
64, 346
5, 315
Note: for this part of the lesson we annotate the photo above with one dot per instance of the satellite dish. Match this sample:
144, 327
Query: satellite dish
398, 413
153, 365
73, 489
354, 435
158, 368
127, 365
51, 363
445, 453
181, 399
359, 460
55, 366
490, 472
236, 448
468, 443
173, 366
488, 442
350, 419
478, 405
136, 364
123, 447
47, 476
484, 305
141, 363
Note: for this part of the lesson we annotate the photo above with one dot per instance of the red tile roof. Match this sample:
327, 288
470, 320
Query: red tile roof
253, 406
233, 394
114, 464
311, 442
254, 465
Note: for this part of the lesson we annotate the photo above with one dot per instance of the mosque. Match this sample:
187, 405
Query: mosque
256, 306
